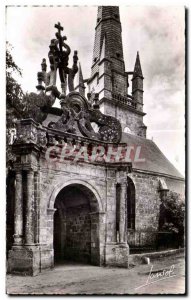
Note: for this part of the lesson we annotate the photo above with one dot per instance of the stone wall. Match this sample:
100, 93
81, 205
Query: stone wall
147, 198
78, 234
130, 119
147, 201
127, 118
176, 186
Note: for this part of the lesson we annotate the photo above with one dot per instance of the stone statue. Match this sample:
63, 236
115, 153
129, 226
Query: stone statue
78, 113
59, 61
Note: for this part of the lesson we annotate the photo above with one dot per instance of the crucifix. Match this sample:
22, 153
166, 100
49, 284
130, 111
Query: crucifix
62, 57
59, 27
59, 56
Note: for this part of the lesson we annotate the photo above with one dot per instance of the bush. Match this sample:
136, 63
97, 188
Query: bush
172, 216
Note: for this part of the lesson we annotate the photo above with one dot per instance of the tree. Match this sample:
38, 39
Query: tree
173, 215
14, 92
14, 101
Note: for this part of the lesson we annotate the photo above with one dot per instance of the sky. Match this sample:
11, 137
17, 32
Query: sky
156, 32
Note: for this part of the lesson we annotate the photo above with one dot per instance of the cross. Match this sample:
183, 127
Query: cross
59, 27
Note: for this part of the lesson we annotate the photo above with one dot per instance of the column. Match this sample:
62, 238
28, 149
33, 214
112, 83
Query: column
29, 226
36, 207
122, 213
18, 213
97, 237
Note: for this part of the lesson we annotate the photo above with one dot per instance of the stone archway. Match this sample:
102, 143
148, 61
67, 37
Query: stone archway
77, 223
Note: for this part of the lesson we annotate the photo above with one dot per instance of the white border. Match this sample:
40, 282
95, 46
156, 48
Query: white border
3, 3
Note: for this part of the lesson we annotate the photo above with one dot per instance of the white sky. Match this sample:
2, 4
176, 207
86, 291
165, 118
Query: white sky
156, 32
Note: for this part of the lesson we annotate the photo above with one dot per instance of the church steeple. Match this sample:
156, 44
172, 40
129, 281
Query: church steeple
108, 44
108, 76
108, 23
80, 82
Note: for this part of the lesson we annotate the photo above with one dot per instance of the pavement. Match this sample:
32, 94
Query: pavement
162, 276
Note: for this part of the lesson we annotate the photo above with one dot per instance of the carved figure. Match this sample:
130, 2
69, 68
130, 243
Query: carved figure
59, 61
78, 117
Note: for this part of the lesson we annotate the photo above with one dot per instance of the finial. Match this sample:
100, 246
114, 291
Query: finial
44, 65
137, 69
40, 78
59, 27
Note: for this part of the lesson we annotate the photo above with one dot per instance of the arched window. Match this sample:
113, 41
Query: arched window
130, 204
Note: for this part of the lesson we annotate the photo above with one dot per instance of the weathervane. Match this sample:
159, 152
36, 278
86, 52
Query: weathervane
58, 58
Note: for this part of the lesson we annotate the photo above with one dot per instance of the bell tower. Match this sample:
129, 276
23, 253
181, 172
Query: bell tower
109, 78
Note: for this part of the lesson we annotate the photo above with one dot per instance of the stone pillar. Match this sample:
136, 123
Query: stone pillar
18, 213
24, 259
116, 253
36, 207
29, 226
122, 213
97, 237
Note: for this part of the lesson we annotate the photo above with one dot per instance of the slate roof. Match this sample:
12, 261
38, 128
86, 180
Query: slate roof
155, 160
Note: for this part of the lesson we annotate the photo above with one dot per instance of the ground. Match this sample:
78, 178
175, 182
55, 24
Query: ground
71, 278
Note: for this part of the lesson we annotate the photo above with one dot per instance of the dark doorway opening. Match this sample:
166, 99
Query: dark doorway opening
73, 228
130, 204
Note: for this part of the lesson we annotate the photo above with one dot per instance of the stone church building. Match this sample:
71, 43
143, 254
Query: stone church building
87, 210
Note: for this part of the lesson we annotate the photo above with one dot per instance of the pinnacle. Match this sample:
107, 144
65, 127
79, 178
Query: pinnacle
104, 51
137, 68
80, 76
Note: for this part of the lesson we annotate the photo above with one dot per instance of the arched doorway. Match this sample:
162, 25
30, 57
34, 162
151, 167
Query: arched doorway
76, 225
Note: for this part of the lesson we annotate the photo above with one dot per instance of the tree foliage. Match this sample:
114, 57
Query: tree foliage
14, 92
14, 101
173, 215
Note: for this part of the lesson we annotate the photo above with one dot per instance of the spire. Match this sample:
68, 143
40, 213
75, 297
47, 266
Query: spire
108, 76
80, 82
109, 25
105, 12
137, 69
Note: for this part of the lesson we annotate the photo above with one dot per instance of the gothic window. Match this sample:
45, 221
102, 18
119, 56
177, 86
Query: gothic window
130, 204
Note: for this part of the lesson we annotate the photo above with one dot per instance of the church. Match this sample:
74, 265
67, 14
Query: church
86, 184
